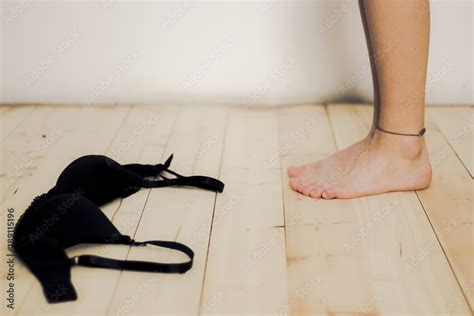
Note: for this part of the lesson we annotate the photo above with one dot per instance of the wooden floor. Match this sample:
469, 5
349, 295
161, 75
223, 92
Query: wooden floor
260, 248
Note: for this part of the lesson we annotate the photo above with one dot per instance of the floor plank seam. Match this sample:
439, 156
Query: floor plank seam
328, 116
444, 252
440, 130
141, 214
224, 139
119, 128
283, 201
4, 137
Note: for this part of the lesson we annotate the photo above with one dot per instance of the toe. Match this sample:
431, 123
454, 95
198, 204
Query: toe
295, 171
306, 190
312, 189
309, 179
316, 192
329, 193
295, 183
304, 184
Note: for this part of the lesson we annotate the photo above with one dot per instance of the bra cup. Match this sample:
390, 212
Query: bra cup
27, 218
48, 261
68, 218
98, 178
48, 228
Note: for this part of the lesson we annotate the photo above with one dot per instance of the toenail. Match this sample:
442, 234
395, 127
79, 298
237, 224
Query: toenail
325, 195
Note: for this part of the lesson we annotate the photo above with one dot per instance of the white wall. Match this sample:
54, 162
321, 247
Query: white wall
211, 52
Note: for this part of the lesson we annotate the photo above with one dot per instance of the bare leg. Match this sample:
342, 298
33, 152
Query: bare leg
372, 59
340, 158
398, 39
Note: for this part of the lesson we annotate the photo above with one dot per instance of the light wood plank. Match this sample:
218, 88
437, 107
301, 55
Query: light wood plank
362, 246
457, 126
29, 143
316, 256
12, 118
102, 125
182, 214
246, 269
448, 203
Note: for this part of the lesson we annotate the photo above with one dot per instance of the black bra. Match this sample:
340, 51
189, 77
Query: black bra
69, 215
102, 179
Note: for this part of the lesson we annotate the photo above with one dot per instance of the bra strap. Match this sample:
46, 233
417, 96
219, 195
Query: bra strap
203, 182
144, 266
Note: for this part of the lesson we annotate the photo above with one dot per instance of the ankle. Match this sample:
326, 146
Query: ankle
407, 147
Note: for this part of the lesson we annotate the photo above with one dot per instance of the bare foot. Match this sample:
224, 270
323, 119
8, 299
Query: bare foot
378, 164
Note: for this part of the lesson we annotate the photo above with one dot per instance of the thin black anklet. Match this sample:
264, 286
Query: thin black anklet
420, 133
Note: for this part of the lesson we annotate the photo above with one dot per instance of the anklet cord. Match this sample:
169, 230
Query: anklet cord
420, 133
